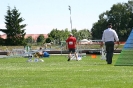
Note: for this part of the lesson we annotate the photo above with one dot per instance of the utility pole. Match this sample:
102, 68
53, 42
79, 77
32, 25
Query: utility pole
70, 17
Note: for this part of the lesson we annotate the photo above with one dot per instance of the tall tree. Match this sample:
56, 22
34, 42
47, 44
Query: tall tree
120, 15
84, 34
14, 29
99, 26
58, 35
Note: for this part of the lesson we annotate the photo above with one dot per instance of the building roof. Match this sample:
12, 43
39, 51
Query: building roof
34, 36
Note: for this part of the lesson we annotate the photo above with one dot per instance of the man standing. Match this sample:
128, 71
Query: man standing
71, 46
109, 37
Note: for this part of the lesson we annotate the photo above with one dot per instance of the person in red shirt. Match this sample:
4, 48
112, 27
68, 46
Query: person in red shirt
71, 46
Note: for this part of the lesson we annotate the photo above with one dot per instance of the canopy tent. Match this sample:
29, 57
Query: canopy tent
85, 41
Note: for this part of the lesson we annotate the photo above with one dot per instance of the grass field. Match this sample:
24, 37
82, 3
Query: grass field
57, 72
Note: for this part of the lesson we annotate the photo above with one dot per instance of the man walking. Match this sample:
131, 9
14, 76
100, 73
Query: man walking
109, 37
71, 46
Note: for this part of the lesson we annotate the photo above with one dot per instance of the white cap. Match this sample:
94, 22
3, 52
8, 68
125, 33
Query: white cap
71, 34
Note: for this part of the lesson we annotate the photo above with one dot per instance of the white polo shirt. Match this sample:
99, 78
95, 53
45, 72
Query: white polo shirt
109, 35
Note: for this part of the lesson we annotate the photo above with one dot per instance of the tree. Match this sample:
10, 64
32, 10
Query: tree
40, 39
75, 33
14, 29
98, 28
120, 15
58, 35
29, 39
84, 34
48, 40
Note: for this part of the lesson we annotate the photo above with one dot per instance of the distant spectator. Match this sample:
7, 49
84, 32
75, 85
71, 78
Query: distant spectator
40, 52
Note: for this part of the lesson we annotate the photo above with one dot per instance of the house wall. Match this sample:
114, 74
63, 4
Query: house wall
34, 36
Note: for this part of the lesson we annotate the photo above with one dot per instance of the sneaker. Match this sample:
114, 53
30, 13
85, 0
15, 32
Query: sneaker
109, 63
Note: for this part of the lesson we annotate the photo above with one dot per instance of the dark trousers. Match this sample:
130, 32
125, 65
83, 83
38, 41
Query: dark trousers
109, 51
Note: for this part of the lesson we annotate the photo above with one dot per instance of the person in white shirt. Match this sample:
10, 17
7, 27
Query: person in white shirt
109, 37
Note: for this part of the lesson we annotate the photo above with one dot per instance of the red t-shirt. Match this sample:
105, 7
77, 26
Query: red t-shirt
71, 42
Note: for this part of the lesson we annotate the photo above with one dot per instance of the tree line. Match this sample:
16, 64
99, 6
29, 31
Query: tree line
120, 15
15, 32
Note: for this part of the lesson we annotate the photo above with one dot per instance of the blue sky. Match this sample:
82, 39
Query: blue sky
41, 16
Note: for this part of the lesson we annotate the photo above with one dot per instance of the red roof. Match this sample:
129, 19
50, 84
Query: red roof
34, 36
3, 36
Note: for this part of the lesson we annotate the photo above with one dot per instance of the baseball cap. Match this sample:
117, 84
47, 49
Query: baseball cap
71, 34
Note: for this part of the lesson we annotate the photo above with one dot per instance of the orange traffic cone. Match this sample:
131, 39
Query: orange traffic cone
93, 56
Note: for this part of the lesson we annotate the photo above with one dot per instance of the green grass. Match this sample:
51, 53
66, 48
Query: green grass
57, 72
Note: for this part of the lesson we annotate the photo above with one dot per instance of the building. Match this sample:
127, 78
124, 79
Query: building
34, 36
